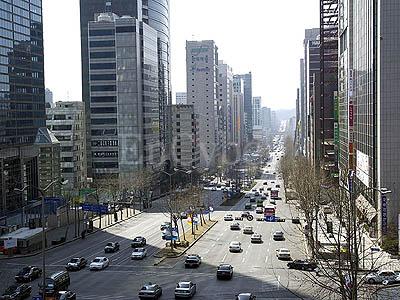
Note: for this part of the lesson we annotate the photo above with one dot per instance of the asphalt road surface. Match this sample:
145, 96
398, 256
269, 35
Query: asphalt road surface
256, 268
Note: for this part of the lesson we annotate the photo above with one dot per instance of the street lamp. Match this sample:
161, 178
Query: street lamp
42, 196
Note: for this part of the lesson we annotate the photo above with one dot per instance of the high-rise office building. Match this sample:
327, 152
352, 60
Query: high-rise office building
368, 94
185, 137
311, 98
310, 35
248, 106
266, 120
201, 75
155, 13
238, 118
66, 120
22, 111
225, 94
181, 98
123, 82
257, 126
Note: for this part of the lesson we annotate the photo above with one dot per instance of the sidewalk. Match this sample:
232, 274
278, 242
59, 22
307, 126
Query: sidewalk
59, 236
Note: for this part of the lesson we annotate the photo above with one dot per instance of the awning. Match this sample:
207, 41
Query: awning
367, 210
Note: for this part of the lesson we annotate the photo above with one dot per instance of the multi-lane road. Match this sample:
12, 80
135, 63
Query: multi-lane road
256, 268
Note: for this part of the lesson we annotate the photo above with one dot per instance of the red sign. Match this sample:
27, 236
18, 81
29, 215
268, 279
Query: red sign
351, 115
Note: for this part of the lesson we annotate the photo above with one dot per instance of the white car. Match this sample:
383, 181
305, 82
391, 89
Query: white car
283, 253
248, 230
99, 263
235, 246
384, 276
259, 210
228, 217
256, 238
139, 253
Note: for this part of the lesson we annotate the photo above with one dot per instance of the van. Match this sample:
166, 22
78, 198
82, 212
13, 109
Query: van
56, 282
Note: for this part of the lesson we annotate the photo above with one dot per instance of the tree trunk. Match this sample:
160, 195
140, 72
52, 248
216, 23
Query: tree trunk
183, 230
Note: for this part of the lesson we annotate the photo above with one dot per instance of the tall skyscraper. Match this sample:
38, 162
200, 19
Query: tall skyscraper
309, 35
155, 13
124, 107
248, 106
257, 126
238, 117
225, 94
22, 94
368, 105
201, 75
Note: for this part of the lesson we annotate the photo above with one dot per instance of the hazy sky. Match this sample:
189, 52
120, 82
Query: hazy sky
261, 36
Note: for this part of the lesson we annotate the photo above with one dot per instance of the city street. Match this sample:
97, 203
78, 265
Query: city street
256, 268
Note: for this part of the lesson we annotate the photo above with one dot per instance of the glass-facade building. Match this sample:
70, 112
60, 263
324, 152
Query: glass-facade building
154, 13
123, 89
369, 122
22, 96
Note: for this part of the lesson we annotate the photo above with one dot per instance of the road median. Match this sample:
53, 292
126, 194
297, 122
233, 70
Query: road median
191, 240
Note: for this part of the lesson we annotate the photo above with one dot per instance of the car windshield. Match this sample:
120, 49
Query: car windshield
224, 268
25, 270
97, 260
110, 244
137, 239
184, 285
148, 288
49, 283
74, 260
284, 251
138, 250
10, 289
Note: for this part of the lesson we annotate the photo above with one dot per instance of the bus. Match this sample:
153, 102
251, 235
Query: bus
269, 212
274, 193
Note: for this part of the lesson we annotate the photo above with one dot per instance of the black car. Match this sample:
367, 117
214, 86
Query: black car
17, 292
305, 265
111, 247
224, 271
192, 261
28, 274
66, 295
150, 291
76, 264
138, 242
296, 221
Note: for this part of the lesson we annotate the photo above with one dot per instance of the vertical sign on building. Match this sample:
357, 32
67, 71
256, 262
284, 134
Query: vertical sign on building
336, 125
384, 214
350, 87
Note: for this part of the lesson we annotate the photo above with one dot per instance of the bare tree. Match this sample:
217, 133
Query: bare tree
335, 231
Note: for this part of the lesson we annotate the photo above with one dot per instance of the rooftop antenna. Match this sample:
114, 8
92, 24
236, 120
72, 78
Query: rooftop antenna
108, 7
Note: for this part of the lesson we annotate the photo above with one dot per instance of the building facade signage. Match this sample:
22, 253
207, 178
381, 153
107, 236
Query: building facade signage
362, 167
384, 214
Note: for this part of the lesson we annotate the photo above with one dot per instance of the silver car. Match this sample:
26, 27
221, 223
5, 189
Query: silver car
387, 276
139, 253
185, 289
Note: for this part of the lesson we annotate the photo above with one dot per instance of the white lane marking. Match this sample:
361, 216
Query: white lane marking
223, 259
243, 259
213, 245
268, 250
218, 238
249, 247
247, 252
266, 259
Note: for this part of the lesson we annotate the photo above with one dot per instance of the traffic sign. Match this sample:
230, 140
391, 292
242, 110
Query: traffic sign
269, 218
97, 208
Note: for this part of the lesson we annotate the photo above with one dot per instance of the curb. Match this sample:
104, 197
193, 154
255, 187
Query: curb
187, 248
69, 241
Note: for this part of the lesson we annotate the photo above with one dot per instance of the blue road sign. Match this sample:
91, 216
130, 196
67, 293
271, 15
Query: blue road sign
97, 208
269, 218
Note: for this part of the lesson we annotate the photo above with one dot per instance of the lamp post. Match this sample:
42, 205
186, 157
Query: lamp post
42, 196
